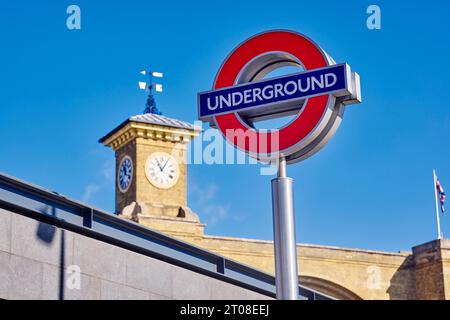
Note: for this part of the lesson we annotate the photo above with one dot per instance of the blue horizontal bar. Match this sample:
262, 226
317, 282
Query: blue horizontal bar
290, 88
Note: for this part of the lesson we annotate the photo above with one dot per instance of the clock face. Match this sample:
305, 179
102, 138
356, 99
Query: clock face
162, 170
125, 174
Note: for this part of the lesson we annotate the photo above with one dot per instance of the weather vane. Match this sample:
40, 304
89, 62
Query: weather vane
150, 106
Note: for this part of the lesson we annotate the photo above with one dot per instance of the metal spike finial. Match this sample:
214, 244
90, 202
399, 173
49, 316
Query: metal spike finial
150, 106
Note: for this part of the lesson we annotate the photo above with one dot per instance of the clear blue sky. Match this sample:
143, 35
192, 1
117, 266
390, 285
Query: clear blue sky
370, 187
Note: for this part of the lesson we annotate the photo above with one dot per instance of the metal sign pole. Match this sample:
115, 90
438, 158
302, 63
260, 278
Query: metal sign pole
284, 235
236, 95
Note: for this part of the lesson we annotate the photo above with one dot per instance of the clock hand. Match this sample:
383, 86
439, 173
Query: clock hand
165, 164
159, 165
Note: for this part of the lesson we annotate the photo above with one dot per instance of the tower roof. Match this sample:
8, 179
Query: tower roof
153, 119
162, 120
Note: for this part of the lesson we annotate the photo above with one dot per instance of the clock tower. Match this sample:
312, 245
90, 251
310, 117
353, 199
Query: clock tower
151, 186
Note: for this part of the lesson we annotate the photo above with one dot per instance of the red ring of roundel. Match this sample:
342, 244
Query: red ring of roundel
311, 57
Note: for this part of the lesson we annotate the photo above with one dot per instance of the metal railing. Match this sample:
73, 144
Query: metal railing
50, 207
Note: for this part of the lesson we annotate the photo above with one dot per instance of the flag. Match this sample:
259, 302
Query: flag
441, 192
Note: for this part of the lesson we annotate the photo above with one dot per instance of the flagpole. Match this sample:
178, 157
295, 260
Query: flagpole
437, 206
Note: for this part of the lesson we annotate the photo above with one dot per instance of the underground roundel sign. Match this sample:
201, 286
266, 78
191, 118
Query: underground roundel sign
315, 97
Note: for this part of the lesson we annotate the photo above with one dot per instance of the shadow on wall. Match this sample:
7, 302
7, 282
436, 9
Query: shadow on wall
329, 288
46, 233
402, 284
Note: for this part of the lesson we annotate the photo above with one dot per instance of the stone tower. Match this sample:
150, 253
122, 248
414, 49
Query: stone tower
151, 186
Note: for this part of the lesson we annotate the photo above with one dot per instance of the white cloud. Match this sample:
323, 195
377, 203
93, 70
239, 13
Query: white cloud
89, 191
215, 213
206, 194
108, 170
207, 207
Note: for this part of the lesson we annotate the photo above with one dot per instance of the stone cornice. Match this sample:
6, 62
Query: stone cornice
133, 130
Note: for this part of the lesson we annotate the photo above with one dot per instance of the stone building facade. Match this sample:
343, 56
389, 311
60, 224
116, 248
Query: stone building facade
343, 273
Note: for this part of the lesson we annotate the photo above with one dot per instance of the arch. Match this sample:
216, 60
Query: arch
328, 287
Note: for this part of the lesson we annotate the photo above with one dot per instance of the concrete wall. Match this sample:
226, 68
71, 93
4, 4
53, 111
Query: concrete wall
37, 259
